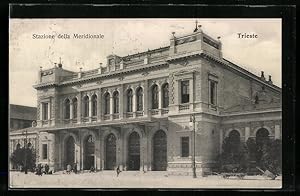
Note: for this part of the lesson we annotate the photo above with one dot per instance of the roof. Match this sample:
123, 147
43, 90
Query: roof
29, 130
22, 112
246, 107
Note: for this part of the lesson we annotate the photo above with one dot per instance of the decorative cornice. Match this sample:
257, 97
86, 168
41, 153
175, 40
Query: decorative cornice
112, 74
239, 69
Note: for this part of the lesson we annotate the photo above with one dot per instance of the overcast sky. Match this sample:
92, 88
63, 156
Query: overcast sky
129, 36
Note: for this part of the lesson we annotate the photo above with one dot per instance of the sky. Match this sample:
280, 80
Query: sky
129, 36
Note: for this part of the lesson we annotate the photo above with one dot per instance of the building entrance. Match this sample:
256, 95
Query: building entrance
69, 151
160, 151
110, 154
134, 151
89, 152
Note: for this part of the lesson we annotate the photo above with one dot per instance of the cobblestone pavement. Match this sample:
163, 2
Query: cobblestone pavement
128, 179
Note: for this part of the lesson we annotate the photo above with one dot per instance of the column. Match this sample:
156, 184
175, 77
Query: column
71, 110
125, 148
121, 154
77, 154
81, 151
97, 155
111, 105
134, 104
277, 132
149, 150
159, 99
145, 154
144, 165
90, 109
178, 97
247, 133
121, 102
99, 108
79, 108
221, 140
51, 150
49, 112
41, 111
146, 98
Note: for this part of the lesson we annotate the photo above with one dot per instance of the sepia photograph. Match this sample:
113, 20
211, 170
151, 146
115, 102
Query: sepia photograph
145, 103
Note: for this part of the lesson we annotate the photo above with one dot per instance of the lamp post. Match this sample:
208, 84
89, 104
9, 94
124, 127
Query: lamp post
192, 121
25, 153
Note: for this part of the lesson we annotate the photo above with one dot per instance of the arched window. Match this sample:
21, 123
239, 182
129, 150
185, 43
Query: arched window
262, 141
86, 106
234, 141
67, 109
75, 105
129, 100
116, 102
94, 105
29, 145
18, 146
155, 97
106, 103
262, 137
165, 95
139, 93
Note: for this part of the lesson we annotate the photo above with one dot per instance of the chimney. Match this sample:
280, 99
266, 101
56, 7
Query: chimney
262, 76
100, 68
79, 73
60, 63
122, 64
270, 79
40, 74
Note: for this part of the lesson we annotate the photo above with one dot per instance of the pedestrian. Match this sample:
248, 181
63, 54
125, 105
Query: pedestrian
92, 169
69, 168
39, 170
75, 168
118, 171
46, 168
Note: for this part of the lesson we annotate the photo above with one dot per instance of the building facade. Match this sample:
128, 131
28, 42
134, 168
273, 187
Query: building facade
21, 116
153, 110
21, 133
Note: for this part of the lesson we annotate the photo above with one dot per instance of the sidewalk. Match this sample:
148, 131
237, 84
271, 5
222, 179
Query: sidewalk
135, 179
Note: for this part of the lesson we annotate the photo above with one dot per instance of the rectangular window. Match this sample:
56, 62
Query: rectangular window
45, 111
45, 151
185, 144
185, 92
212, 93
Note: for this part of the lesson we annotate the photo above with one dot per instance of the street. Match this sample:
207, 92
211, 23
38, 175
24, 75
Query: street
135, 179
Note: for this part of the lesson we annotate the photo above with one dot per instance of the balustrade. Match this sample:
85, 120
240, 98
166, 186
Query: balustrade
184, 107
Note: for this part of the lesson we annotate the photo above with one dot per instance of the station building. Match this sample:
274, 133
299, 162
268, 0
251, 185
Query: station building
153, 111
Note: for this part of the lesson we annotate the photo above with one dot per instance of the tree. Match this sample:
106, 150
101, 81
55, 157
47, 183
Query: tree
265, 154
232, 156
18, 158
271, 156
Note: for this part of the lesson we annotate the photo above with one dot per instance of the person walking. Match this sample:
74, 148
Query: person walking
39, 170
69, 168
118, 171
75, 168
46, 168
92, 169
